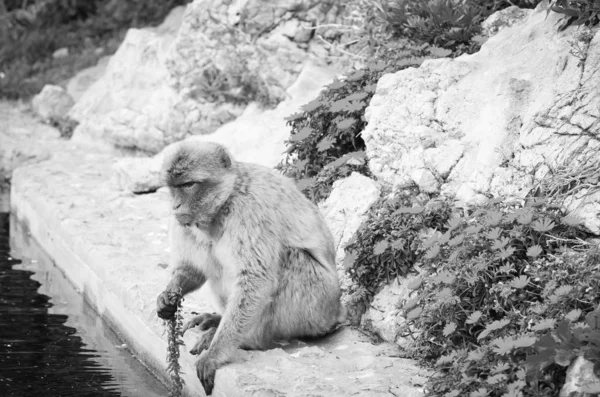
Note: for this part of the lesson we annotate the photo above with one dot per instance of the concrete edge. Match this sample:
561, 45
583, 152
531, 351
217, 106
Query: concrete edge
46, 229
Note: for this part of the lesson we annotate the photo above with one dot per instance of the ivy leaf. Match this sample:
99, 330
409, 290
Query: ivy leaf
356, 75
411, 303
380, 247
311, 106
571, 220
415, 283
505, 253
496, 325
481, 392
294, 116
337, 84
545, 324
573, 315
534, 251
414, 313
345, 124
370, 88
474, 317
432, 252
494, 234
349, 260
356, 106
543, 225
563, 357
493, 218
520, 282
593, 319
305, 183
449, 329
357, 96
325, 144
501, 243
304, 133
456, 240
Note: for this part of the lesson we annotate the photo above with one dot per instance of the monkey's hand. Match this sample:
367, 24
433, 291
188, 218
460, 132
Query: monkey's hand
166, 305
206, 368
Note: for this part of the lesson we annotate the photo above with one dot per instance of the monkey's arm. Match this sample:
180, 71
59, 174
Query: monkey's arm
186, 278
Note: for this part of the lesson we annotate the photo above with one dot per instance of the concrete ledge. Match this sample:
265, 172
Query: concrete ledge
113, 247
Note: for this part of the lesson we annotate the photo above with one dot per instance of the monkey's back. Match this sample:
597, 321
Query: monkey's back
277, 209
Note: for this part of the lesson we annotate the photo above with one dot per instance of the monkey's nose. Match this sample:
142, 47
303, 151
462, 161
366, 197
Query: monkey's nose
184, 219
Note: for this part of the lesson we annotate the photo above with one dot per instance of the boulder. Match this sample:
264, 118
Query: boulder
382, 315
166, 83
581, 379
345, 210
52, 102
84, 79
257, 136
495, 123
503, 19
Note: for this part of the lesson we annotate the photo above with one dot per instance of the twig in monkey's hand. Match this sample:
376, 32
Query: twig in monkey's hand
174, 326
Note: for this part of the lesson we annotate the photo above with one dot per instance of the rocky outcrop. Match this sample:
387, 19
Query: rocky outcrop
345, 210
581, 379
167, 83
256, 136
521, 111
53, 102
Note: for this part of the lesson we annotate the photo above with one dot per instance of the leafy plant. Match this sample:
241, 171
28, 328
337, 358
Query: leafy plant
386, 245
174, 327
498, 311
577, 12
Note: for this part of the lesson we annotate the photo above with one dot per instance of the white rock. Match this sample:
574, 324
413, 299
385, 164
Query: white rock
52, 102
60, 53
484, 124
345, 210
503, 19
138, 174
86, 77
581, 379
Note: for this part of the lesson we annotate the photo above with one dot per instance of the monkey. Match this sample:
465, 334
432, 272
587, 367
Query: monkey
261, 245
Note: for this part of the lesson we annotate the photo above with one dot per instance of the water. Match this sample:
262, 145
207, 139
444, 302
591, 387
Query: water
52, 343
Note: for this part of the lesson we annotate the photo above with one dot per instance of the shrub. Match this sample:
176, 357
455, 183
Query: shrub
326, 134
386, 245
501, 308
577, 12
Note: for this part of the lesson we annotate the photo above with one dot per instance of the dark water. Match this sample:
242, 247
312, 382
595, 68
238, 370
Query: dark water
52, 343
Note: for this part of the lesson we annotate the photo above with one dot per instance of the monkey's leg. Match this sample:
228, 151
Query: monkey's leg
204, 341
204, 321
186, 278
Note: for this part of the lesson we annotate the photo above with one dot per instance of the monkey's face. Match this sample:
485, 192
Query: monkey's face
200, 178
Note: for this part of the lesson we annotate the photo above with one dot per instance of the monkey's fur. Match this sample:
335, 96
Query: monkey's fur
262, 246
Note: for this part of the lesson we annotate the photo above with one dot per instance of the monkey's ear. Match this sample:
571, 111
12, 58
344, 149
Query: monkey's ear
224, 157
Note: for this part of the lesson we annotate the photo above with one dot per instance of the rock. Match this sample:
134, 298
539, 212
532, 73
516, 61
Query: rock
128, 105
504, 19
138, 174
60, 53
382, 316
581, 379
345, 210
257, 136
495, 122
167, 83
86, 77
52, 102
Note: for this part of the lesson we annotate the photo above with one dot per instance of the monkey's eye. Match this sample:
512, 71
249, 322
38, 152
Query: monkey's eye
187, 185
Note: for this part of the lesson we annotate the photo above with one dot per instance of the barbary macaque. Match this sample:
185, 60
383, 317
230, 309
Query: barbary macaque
262, 246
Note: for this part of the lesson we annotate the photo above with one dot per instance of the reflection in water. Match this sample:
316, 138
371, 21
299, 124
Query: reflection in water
52, 343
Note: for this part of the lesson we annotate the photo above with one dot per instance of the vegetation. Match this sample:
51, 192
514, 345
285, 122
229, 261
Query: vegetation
30, 32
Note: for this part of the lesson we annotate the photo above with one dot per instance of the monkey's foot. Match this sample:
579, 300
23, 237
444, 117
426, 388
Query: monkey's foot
206, 369
204, 341
204, 321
